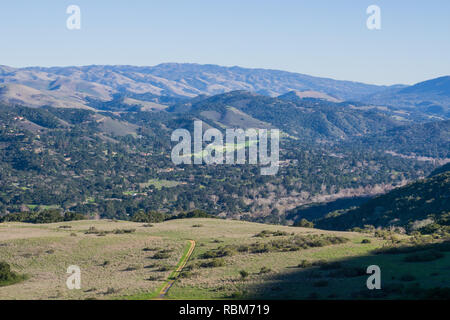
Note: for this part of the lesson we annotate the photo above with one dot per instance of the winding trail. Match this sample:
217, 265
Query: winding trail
175, 274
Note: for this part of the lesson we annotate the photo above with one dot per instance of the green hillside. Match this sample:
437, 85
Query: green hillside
305, 119
423, 205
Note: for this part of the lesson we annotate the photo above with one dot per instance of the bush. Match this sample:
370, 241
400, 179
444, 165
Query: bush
366, 241
111, 291
105, 263
148, 217
218, 253
5, 272
303, 223
243, 273
268, 233
304, 264
163, 268
186, 274
8, 277
264, 270
121, 231
161, 255
215, 263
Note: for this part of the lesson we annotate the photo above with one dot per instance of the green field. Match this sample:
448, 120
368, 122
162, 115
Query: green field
135, 265
160, 183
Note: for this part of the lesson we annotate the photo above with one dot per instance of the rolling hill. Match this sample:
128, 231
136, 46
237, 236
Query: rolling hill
304, 119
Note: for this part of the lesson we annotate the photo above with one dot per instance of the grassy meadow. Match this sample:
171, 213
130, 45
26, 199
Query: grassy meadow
231, 260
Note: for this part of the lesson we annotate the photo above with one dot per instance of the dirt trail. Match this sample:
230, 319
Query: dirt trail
174, 276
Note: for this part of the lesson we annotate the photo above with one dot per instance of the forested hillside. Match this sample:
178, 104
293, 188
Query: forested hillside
114, 164
423, 205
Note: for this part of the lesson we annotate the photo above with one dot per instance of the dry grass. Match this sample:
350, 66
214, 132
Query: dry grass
118, 261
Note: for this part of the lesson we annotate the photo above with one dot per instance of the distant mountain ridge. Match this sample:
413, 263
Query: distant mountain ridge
431, 97
77, 87
170, 79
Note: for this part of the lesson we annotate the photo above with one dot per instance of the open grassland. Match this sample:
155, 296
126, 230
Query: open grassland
232, 259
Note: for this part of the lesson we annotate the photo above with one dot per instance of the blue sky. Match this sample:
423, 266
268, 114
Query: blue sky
320, 38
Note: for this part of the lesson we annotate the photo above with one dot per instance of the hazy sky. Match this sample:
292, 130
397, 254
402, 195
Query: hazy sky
317, 37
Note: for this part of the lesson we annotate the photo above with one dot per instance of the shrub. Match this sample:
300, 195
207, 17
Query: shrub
106, 263
218, 253
186, 274
163, 268
8, 277
5, 272
121, 231
279, 233
366, 241
304, 264
148, 217
161, 255
303, 223
264, 270
130, 268
242, 248
111, 291
263, 234
268, 233
92, 230
214, 263
243, 273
